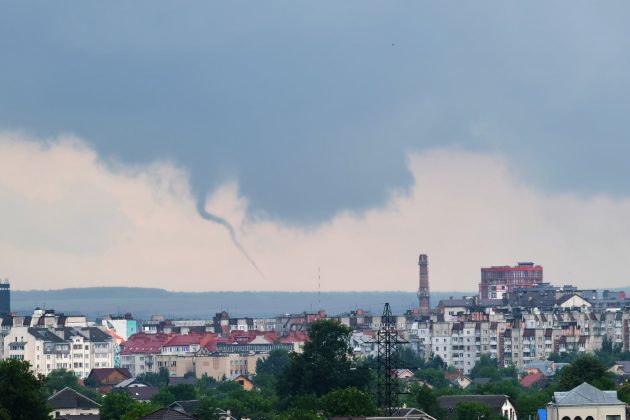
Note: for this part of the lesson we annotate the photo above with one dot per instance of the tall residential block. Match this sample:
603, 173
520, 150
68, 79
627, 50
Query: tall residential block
498, 280
423, 289
5, 297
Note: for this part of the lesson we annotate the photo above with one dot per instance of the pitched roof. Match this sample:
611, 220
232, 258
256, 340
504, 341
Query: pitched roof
166, 414
102, 373
568, 297
185, 406
179, 380
131, 381
142, 393
586, 394
495, 402
530, 380
69, 398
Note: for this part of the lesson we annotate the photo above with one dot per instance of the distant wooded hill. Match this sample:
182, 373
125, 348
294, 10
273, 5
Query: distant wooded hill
144, 302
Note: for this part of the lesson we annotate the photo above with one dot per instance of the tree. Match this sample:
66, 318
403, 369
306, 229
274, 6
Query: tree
59, 379
624, 392
139, 410
325, 363
423, 398
348, 402
485, 367
274, 364
164, 397
21, 392
116, 404
472, 410
408, 358
155, 379
207, 409
585, 368
269, 369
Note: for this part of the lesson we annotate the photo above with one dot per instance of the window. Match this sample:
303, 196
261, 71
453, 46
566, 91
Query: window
610, 418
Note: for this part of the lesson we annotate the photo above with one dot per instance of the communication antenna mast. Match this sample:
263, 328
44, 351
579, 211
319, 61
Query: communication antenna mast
387, 341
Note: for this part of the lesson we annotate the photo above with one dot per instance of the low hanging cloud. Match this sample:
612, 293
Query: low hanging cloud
69, 219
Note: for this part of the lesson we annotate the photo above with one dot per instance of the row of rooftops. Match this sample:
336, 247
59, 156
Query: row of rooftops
63, 334
156, 343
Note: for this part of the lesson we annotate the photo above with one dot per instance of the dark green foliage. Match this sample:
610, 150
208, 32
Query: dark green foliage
348, 402
170, 394
487, 367
274, 364
268, 370
434, 377
59, 379
408, 358
565, 357
585, 368
437, 363
115, 405
423, 398
164, 397
21, 392
207, 408
138, 410
472, 410
623, 393
325, 364
155, 379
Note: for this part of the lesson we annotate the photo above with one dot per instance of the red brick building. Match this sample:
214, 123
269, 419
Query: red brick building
497, 280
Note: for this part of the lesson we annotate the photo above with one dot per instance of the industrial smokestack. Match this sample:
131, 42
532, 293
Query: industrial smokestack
221, 221
423, 287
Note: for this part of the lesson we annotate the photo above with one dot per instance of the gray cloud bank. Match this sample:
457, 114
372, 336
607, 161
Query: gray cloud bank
313, 107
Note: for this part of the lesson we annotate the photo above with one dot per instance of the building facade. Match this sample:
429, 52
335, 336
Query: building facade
499, 280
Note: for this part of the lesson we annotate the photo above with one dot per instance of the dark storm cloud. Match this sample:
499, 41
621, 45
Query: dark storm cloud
313, 106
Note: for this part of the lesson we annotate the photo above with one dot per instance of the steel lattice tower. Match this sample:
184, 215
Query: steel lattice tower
387, 343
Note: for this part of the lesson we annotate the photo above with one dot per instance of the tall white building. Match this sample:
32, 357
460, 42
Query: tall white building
46, 349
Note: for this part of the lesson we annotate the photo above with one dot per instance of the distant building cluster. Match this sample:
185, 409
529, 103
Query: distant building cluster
516, 318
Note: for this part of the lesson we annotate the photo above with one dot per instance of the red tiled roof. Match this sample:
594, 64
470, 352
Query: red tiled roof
182, 340
102, 374
144, 343
529, 380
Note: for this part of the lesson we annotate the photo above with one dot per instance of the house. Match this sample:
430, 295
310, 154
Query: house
573, 301
462, 382
244, 381
70, 402
139, 351
142, 393
586, 402
499, 405
181, 380
621, 367
546, 367
187, 407
403, 414
402, 374
166, 414
535, 379
108, 376
481, 381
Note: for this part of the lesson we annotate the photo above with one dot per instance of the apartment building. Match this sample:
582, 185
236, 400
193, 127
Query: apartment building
46, 349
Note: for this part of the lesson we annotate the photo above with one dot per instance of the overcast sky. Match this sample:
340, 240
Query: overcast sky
350, 136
